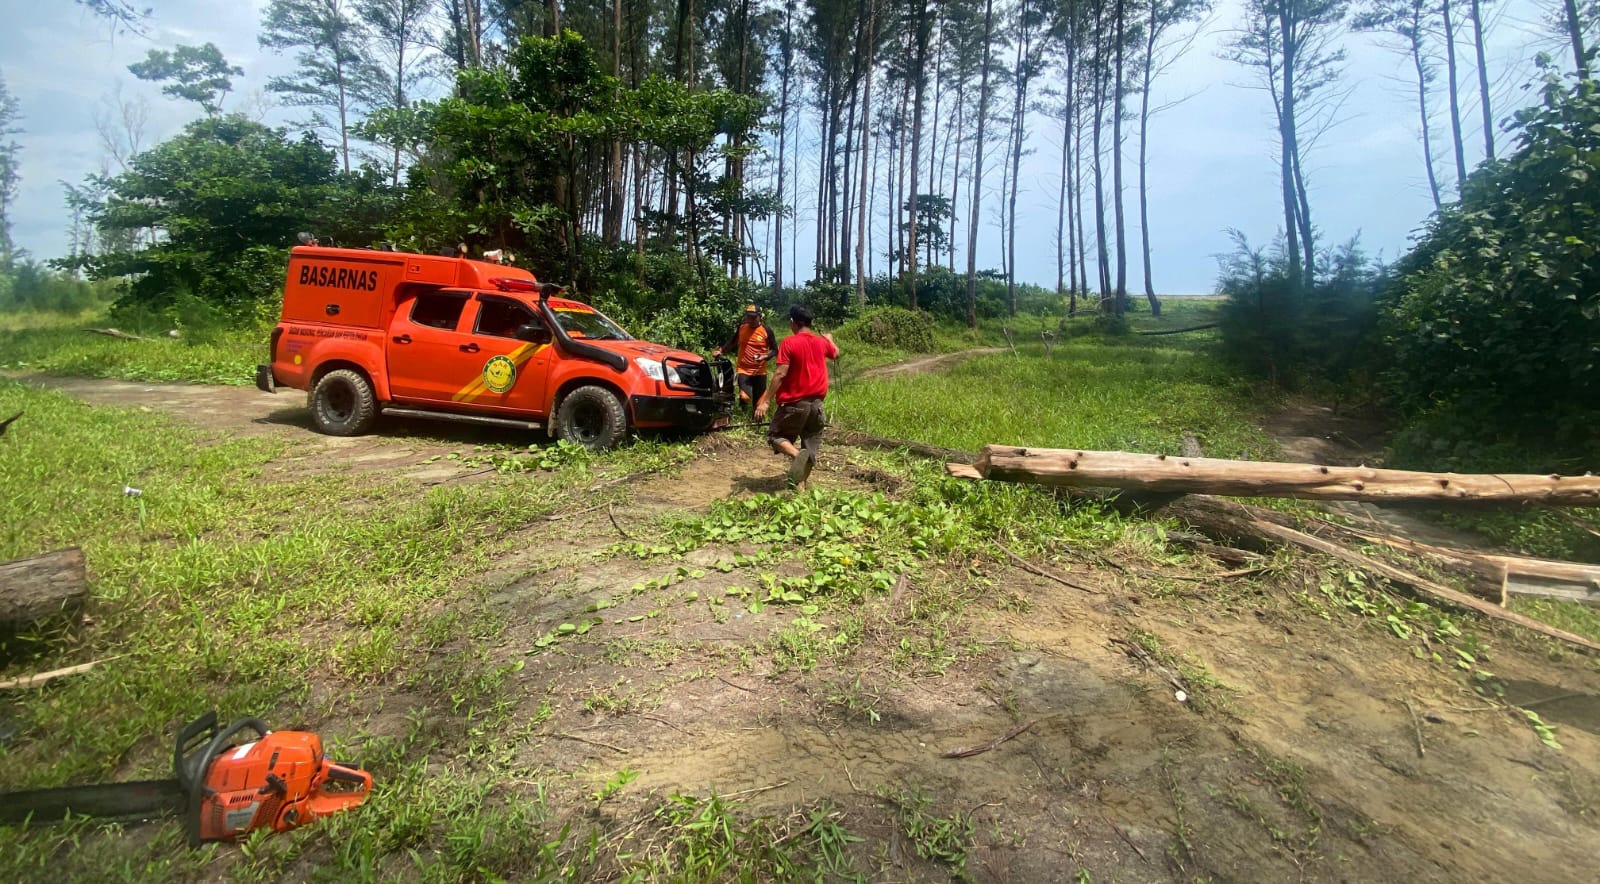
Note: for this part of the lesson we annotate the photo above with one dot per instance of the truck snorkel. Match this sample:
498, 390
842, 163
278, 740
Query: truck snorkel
615, 361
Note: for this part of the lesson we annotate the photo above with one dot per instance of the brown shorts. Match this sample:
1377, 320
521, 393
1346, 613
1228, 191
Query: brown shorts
800, 422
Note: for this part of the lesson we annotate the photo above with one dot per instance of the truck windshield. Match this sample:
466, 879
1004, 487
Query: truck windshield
589, 324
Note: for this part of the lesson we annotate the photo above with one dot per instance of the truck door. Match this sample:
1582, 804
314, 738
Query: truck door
512, 374
428, 356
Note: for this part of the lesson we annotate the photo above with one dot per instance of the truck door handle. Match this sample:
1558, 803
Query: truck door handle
402, 339
469, 348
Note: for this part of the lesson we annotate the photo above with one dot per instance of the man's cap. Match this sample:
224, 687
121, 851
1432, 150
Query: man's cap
751, 308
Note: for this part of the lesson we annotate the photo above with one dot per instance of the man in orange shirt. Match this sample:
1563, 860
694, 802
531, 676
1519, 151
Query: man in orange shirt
753, 345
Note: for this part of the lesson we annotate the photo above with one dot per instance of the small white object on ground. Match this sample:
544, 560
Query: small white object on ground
1182, 697
130, 491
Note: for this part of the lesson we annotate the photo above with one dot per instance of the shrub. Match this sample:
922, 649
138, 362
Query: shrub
894, 328
1291, 333
1490, 327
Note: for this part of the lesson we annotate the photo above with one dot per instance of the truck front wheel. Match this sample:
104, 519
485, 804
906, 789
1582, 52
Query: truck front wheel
342, 403
591, 417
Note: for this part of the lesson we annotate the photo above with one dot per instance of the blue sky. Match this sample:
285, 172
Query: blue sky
1212, 160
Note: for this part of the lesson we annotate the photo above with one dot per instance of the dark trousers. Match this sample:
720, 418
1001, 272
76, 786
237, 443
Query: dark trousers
753, 386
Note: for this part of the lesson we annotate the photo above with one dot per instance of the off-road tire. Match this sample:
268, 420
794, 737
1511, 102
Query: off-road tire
342, 403
592, 417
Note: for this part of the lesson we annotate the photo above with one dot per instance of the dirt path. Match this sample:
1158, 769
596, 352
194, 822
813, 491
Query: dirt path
1311, 744
921, 364
1309, 432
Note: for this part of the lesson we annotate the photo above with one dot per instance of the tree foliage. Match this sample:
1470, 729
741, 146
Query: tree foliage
1495, 316
192, 73
223, 201
503, 155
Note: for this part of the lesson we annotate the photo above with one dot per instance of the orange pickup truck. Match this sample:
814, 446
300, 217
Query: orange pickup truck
370, 332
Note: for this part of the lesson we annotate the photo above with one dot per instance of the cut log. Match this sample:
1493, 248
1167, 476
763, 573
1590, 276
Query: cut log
1512, 575
1238, 478
1427, 587
42, 586
1179, 331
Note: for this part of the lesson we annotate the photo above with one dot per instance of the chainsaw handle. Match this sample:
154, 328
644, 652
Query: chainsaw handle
193, 778
353, 787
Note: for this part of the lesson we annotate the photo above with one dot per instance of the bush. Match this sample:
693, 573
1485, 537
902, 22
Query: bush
32, 286
1277, 327
892, 328
1490, 327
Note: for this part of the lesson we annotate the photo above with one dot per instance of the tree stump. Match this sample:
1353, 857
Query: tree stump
42, 586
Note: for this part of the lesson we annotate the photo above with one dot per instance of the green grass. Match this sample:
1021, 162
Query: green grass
1572, 616
56, 344
309, 601
1131, 394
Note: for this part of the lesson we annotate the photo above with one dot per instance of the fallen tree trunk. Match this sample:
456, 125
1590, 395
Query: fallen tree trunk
1179, 331
1514, 575
41, 586
1423, 585
116, 333
1239, 478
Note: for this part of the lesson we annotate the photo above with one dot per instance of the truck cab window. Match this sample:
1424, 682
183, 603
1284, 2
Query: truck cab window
501, 317
438, 309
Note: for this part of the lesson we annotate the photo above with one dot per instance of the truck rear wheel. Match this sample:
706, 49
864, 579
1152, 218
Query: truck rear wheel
342, 403
592, 417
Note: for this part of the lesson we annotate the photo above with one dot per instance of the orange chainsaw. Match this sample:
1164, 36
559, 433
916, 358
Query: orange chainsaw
222, 789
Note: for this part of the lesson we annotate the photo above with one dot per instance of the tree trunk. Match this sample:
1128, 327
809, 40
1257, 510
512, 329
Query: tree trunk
955, 175
847, 220
42, 586
1475, 10
899, 231
1455, 99
916, 144
1307, 237
612, 228
1144, 140
1422, 109
1019, 131
824, 93
933, 134
1286, 142
977, 168
783, 140
1116, 165
344, 120
1580, 56
1063, 244
1076, 187
1102, 249
866, 151
1243, 478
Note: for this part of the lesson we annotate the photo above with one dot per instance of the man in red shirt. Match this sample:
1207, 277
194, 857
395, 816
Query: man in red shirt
799, 385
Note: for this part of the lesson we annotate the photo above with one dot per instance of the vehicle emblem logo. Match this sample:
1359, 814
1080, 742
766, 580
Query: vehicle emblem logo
499, 374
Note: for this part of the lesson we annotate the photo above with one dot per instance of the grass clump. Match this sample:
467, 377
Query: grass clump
1097, 393
215, 588
894, 328
50, 344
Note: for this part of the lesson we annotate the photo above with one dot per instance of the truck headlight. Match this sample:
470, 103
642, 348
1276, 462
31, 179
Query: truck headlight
652, 369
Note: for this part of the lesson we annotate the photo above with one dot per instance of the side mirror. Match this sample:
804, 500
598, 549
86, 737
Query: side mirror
534, 334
